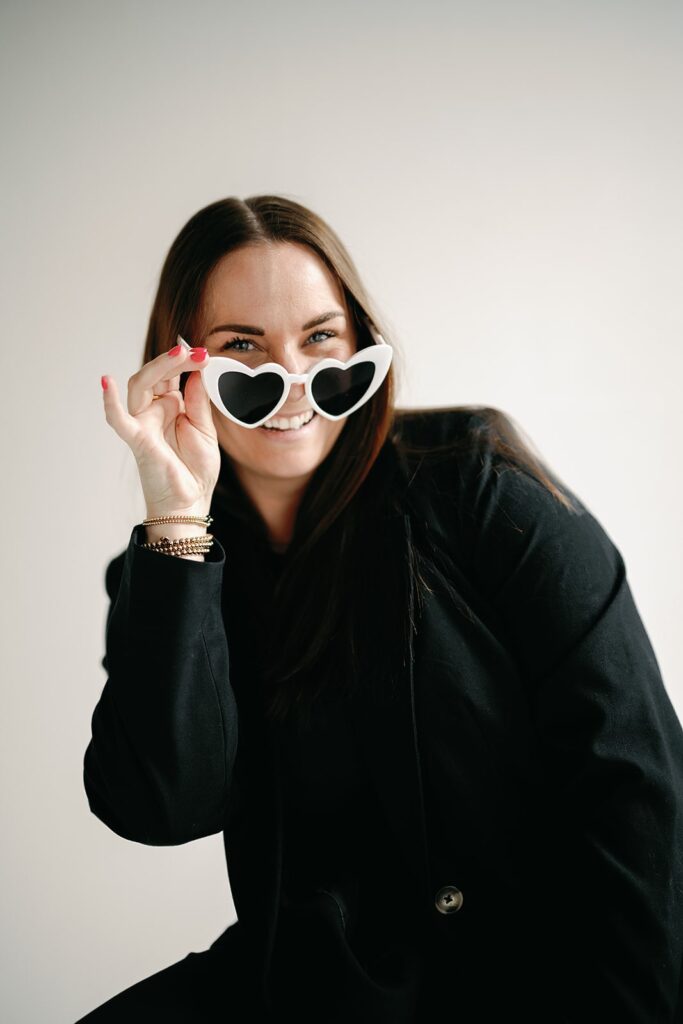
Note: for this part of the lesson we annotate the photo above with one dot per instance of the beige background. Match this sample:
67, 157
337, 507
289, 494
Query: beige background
507, 178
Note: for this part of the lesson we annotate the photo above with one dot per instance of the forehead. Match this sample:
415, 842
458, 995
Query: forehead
270, 279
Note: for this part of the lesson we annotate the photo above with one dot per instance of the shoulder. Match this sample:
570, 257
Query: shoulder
471, 455
466, 438
437, 446
425, 428
525, 543
480, 486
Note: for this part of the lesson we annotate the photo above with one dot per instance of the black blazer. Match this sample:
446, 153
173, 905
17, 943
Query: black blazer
530, 766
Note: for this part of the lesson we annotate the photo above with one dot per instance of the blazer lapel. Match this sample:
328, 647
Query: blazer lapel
388, 736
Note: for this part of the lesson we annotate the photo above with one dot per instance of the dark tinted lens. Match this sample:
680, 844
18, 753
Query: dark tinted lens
337, 391
250, 399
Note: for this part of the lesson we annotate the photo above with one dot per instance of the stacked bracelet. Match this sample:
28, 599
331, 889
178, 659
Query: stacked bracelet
180, 545
199, 520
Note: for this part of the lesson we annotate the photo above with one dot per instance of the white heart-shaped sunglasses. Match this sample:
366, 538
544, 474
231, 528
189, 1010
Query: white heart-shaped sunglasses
333, 388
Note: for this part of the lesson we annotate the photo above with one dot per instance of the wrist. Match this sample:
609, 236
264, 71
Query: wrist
201, 509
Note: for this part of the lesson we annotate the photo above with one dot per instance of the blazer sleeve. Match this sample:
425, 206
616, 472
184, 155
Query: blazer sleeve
610, 740
158, 766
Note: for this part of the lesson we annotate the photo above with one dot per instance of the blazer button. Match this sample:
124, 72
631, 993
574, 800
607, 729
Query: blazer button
448, 899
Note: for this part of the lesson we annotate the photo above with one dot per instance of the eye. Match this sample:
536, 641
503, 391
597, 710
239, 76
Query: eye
327, 334
234, 342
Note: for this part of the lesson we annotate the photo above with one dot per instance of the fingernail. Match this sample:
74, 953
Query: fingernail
175, 351
103, 381
198, 355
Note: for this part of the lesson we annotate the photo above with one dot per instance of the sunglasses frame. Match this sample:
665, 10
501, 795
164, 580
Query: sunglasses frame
381, 355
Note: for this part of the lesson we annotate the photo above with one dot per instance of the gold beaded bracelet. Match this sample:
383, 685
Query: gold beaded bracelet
180, 545
199, 520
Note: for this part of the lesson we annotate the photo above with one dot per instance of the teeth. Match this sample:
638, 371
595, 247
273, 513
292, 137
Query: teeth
294, 423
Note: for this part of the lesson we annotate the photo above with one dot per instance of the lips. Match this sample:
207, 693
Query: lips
295, 420
288, 430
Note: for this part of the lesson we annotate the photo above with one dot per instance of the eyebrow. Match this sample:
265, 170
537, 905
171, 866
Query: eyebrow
245, 329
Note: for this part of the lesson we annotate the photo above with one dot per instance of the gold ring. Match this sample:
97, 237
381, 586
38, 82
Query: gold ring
154, 397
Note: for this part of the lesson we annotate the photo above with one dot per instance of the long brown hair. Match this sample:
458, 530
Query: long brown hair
314, 632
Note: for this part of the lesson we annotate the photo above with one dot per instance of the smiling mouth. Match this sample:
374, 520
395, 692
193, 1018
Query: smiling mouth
288, 430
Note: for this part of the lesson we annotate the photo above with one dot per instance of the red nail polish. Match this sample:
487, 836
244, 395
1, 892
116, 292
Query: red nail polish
198, 355
103, 381
175, 351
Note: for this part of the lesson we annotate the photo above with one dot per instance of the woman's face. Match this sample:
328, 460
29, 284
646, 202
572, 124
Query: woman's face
256, 307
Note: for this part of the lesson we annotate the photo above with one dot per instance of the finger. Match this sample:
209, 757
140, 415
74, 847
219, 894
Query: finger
173, 383
114, 413
164, 386
149, 378
198, 404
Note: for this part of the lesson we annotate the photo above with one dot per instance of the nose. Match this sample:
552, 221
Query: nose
297, 393
294, 363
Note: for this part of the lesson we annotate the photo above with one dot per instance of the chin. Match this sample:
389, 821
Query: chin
256, 453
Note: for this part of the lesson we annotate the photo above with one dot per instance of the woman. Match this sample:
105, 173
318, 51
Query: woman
404, 674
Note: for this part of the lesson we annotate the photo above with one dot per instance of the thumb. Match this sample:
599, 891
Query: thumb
198, 404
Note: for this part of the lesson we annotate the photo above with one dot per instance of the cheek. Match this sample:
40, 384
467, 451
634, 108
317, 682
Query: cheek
231, 437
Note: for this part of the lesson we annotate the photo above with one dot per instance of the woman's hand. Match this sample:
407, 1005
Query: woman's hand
173, 438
